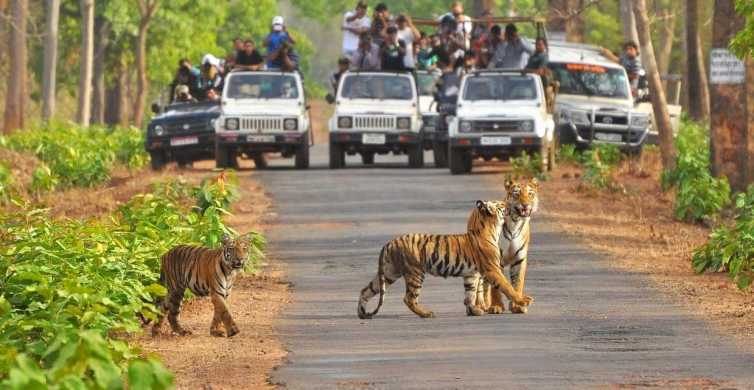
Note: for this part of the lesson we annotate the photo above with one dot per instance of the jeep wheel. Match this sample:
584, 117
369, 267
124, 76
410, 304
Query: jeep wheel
337, 156
185, 163
459, 161
367, 158
158, 160
440, 151
225, 157
416, 156
302, 156
260, 162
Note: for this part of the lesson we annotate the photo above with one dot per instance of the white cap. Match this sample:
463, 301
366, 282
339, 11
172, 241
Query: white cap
210, 59
278, 20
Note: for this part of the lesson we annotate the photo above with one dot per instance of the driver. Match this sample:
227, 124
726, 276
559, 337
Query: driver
629, 60
286, 90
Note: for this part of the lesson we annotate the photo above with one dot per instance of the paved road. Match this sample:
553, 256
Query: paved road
590, 327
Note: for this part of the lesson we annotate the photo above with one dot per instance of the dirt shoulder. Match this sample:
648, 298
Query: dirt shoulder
638, 232
245, 360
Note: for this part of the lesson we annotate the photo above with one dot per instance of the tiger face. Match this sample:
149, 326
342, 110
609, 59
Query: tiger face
488, 216
235, 252
522, 197
492, 209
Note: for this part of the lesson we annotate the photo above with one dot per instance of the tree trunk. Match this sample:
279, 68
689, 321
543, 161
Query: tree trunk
49, 73
87, 53
732, 111
667, 35
15, 93
629, 21
565, 18
146, 11
698, 90
101, 41
481, 6
659, 103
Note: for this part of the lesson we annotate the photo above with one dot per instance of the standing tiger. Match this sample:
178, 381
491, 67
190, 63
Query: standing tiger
471, 255
522, 201
205, 272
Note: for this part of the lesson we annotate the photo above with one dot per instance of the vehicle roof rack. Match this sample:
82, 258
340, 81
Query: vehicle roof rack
396, 72
500, 70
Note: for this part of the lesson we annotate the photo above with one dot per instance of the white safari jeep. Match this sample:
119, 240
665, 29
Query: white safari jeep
375, 113
500, 113
594, 103
262, 112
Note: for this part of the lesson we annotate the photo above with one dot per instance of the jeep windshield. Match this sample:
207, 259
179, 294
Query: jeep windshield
380, 87
499, 87
261, 86
591, 80
427, 84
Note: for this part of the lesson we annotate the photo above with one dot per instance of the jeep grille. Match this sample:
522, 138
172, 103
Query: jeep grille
498, 126
259, 124
374, 122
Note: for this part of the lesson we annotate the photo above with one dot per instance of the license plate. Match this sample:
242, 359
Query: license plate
373, 139
182, 141
496, 141
611, 137
260, 138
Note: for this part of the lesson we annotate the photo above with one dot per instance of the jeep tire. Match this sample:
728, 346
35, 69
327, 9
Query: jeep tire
225, 157
157, 159
337, 156
459, 161
416, 156
302, 156
367, 158
260, 162
440, 152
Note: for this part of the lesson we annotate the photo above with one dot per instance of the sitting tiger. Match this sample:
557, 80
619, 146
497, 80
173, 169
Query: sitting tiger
469, 255
205, 272
522, 201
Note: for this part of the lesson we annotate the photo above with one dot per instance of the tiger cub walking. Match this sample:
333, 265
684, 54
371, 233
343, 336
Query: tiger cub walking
471, 256
205, 272
522, 201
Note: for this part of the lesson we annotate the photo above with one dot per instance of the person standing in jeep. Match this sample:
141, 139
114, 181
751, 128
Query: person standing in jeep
249, 58
355, 23
393, 51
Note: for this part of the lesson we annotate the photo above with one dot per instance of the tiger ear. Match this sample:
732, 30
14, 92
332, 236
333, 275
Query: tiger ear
508, 183
226, 239
534, 182
480, 204
483, 207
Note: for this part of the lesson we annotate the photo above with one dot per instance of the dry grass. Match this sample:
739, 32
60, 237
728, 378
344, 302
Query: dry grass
637, 230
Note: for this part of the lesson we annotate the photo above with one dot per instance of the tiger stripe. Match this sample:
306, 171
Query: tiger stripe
473, 256
206, 272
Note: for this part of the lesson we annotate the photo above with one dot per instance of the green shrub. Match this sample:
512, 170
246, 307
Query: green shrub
699, 195
568, 153
82, 157
6, 183
599, 164
528, 166
69, 289
732, 248
42, 180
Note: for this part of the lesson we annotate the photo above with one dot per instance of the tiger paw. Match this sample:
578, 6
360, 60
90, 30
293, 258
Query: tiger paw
427, 314
474, 311
182, 332
217, 333
233, 331
495, 309
518, 309
524, 300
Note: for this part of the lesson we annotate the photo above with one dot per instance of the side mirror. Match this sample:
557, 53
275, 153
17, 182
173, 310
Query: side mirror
330, 98
156, 108
308, 107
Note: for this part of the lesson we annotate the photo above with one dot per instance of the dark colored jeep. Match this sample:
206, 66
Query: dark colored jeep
183, 132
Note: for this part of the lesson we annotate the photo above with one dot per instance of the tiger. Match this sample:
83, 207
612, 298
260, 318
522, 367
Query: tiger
522, 201
472, 255
205, 272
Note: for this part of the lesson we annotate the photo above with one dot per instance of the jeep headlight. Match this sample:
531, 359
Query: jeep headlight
232, 123
290, 124
159, 130
404, 123
579, 118
464, 126
526, 126
641, 121
345, 122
